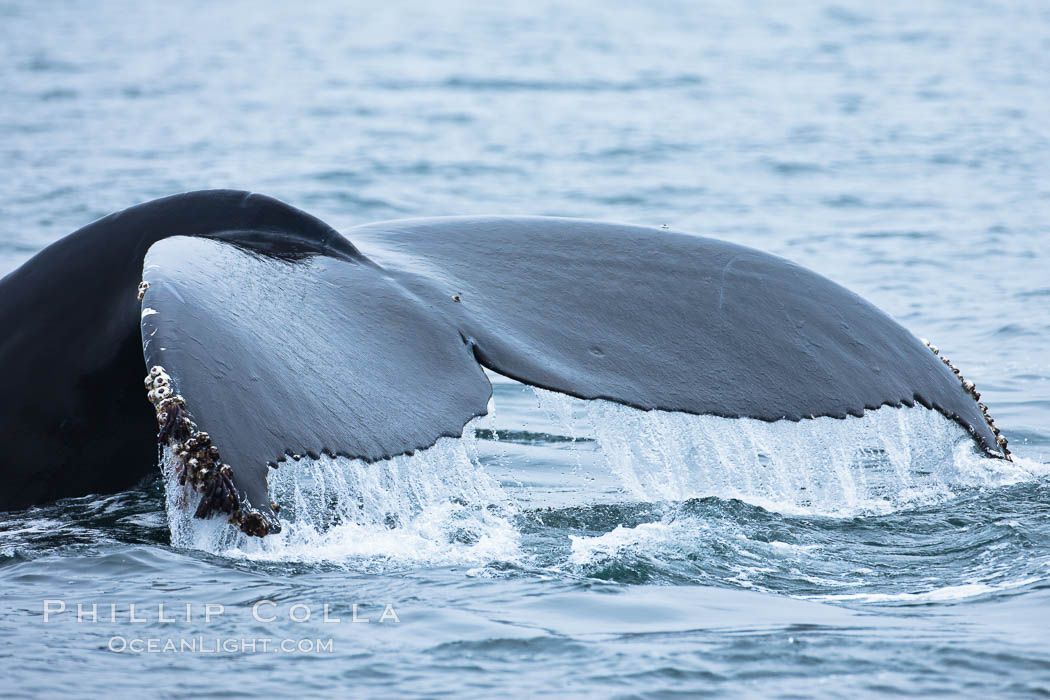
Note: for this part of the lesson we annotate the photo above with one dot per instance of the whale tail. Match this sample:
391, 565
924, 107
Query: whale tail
269, 335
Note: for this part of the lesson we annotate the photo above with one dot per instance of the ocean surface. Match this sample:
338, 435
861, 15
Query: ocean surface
562, 547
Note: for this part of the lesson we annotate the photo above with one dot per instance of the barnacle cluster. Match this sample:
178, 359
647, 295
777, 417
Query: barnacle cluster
971, 389
143, 286
199, 462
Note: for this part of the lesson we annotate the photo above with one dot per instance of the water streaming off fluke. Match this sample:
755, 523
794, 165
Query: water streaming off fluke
444, 505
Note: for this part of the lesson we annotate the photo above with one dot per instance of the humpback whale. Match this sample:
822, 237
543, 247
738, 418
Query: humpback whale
265, 334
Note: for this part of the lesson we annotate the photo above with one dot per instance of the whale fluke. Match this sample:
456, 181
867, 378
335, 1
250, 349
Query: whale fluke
267, 334
662, 320
280, 356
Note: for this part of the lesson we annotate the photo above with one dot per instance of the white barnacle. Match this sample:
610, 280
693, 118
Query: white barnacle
162, 392
160, 381
143, 286
156, 371
967, 384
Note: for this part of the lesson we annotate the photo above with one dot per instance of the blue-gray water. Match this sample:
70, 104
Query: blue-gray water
900, 148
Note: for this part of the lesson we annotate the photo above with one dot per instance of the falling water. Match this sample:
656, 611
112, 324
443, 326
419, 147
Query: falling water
441, 505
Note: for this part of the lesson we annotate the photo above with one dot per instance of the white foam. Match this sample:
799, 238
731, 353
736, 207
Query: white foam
437, 507
645, 539
679, 538
937, 595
